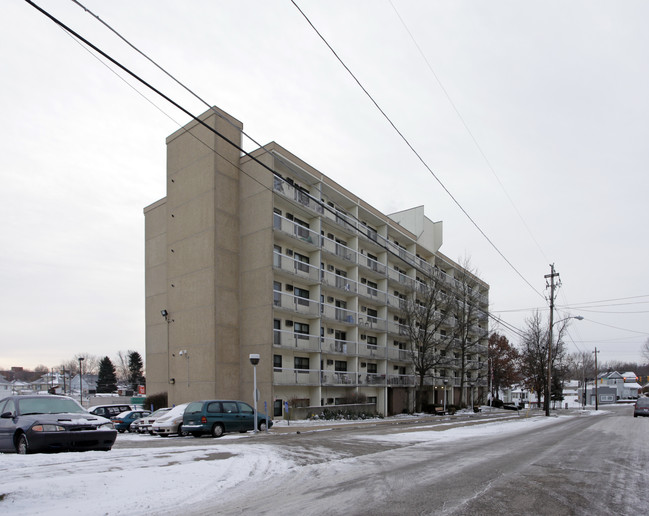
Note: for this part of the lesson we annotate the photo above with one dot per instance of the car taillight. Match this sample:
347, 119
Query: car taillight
203, 419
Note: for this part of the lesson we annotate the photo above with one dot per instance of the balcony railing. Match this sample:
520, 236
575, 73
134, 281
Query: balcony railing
296, 376
333, 345
291, 265
340, 250
291, 192
300, 305
296, 341
341, 282
295, 230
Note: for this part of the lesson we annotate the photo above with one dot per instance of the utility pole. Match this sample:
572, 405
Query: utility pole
548, 389
596, 380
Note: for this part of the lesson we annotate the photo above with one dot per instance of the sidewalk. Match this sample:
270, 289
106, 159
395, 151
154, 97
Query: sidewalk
488, 414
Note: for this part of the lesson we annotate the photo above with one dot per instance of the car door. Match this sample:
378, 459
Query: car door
7, 425
231, 416
247, 416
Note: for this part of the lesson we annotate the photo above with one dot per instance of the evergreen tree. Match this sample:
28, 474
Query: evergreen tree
107, 380
135, 374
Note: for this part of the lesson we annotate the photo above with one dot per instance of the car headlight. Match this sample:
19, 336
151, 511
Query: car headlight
48, 428
106, 426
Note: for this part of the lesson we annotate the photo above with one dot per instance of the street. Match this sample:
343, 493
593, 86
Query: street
502, 462
575, 465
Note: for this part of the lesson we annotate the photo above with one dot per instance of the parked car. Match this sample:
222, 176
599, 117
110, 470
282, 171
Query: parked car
143, 425
219, 416
31, 424
109, 411
170, 423
641, 407
124, 420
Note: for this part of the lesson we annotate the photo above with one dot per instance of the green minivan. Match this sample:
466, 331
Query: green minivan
217, 417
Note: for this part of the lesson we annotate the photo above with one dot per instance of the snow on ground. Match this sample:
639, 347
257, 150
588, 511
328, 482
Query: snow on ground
158, 479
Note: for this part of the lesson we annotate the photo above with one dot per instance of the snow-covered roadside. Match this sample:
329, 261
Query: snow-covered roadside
156, 480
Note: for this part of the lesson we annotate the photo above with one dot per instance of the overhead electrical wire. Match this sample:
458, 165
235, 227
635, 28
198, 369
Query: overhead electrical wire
414, 151
466, 126
195, 118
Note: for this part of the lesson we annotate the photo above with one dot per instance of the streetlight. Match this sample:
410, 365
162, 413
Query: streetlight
80, 381
254, 360
548, 387
445, 384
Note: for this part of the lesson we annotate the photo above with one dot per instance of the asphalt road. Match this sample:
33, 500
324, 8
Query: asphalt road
586, 464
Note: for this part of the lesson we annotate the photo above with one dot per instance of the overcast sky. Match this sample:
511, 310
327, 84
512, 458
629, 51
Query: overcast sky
532, 114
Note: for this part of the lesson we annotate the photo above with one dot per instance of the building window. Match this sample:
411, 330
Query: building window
277, 325
372, 368
301, 262
277, 256
372, 288
340, 366
302, 296
277, 218
277, 293
301, 329
371, 342
277, 361
301, 363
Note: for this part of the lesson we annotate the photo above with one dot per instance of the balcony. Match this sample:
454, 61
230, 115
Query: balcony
332, 345
342, 283
401, 380
342, 315
285, 189
283, 376
295, 304
339, 378
373, 265
341, 251
296, 341
372, 351
294, 267
295, 231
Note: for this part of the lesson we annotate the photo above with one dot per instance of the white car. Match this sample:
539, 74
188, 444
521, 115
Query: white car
143, 425
171, 422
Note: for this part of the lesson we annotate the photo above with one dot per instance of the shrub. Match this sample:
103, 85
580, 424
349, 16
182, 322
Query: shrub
155, 401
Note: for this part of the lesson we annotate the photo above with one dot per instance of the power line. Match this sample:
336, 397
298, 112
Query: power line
195, 118
466, 126
414, 151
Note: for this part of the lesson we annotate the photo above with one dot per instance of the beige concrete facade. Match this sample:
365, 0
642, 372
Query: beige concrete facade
283, 262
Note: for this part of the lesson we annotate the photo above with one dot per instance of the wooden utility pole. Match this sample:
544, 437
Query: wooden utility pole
548, 389
596, 381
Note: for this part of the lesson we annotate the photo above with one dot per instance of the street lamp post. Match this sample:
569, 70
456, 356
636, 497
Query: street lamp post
80, 382
548, 389
445, 385
254, 360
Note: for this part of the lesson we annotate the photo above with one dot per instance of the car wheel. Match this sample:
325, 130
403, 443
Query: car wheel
218, 430
23, 445
181, 432
262, 426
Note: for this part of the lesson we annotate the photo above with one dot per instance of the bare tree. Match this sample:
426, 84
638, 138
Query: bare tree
471, 327
645, 350
427, 310
534, 354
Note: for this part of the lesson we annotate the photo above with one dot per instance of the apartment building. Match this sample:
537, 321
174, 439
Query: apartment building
264, 254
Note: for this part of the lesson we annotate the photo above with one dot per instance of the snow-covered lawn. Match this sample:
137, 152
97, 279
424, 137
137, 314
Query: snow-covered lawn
154, 480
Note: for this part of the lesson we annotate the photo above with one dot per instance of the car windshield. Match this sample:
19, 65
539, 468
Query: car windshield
643, 402
123, 415
48, 406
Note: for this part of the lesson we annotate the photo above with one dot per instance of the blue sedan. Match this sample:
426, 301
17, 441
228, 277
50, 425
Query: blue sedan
123, 420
